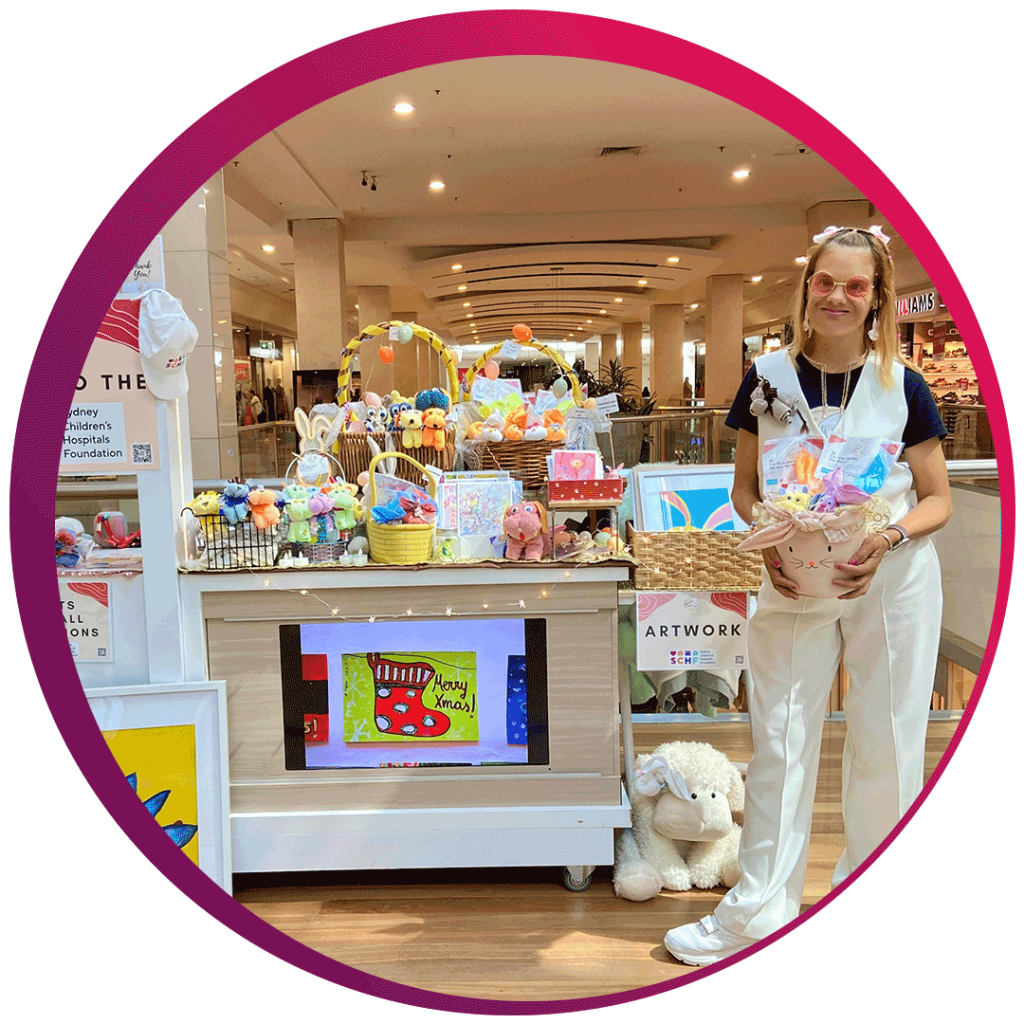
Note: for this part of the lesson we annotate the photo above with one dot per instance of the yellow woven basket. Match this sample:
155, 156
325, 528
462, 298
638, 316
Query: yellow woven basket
399, 543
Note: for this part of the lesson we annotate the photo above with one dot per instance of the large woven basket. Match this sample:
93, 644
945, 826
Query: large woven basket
524, 460
693, 560
355, 455
399, 543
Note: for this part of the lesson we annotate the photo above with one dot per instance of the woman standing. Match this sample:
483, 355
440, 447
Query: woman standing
848, 377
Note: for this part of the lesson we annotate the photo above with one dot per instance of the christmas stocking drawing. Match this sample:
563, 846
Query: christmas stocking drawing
398, 708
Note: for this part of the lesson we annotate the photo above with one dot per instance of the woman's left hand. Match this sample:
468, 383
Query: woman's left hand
862, 567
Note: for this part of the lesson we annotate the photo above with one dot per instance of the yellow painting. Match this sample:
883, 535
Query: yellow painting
160, 765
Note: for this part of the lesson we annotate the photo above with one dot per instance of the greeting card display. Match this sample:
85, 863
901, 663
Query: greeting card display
576, 465
413, 695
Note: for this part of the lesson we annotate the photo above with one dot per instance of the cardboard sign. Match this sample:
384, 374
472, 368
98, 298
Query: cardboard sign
510, 350
148, 271
607, 404
691, 630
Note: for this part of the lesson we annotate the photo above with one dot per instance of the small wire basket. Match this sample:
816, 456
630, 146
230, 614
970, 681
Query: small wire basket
225, 545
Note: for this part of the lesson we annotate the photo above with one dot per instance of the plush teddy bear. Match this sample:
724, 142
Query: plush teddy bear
683, 835
410, 421
265, 512
434, 429
526, 530
233, 504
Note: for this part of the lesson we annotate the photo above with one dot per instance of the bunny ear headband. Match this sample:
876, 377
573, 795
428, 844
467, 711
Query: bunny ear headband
655, 774
875, 229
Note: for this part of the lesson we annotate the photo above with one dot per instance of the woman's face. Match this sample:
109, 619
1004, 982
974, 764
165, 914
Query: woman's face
837, 315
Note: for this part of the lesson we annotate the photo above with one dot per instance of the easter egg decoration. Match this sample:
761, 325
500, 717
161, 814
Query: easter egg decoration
386, 354
522, 332
560, 388
404, 333
491, 370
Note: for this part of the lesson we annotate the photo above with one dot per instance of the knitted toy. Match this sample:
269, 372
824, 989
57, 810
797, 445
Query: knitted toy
264, 510
345, 508
299, 514
683, 835
233, 504
411, 422
526, 527
395, 409
433, 398
434, 429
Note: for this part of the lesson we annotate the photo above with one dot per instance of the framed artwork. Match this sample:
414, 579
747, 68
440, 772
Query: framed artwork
575, 465
668, 496
170, 740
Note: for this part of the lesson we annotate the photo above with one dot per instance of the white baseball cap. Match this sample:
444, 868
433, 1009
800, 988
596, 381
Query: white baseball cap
166, 337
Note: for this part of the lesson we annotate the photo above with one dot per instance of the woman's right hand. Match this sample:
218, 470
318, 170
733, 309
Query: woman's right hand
782, 583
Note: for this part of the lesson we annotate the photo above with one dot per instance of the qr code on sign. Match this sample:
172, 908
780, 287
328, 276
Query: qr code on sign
142, 453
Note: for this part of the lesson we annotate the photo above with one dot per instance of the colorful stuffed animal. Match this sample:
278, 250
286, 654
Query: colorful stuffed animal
265, 513
683, 835
395, 410
526, 529
377, 419
233, 503
206, 504
411, 423
513, 432
433, 435
299, 513
433, 398
555, 423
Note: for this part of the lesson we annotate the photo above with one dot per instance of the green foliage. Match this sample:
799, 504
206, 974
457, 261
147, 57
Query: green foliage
613, 377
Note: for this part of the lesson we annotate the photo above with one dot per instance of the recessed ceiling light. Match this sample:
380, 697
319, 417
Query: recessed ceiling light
741, 172
618, 300
357, 305
462, 287
694, 305
437, 185
800, 259
455, 266
590, 321
268, 248
602, 311
673, 259
403, 107
756, 280
466, 304
641, 282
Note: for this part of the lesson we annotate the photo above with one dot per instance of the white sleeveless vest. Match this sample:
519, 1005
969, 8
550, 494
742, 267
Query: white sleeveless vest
872, 411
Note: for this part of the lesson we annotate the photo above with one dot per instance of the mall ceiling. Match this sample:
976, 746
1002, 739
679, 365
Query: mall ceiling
576, 195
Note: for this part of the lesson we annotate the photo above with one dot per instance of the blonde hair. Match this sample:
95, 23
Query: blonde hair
884, 311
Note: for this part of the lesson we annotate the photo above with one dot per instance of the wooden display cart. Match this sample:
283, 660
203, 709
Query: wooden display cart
560, 813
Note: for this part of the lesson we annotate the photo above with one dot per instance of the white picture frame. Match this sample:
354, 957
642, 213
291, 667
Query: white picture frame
202, 705
652, 480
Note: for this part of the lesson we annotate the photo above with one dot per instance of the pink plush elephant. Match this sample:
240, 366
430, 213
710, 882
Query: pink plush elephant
526, 527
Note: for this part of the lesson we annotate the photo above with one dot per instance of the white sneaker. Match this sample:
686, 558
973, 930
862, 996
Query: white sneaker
704, 942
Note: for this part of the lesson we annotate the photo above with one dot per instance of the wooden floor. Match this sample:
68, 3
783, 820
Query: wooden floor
517, 934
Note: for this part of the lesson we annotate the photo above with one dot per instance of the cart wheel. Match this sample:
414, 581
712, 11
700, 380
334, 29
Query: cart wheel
577, 879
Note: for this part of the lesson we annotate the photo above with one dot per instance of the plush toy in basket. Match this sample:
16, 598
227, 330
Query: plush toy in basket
683, 835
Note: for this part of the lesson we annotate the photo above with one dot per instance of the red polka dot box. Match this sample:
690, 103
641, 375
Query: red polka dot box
585, 490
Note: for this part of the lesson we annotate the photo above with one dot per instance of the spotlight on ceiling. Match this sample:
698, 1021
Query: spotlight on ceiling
365, 182
373, 183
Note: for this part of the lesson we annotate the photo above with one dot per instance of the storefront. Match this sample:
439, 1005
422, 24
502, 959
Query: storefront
932, 342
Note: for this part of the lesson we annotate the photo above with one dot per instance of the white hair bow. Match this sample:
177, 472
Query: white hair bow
655, 774
875, 229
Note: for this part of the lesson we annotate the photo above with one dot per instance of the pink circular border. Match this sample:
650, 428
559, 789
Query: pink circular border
211, 143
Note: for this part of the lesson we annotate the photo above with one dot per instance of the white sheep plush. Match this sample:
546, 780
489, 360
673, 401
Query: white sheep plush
683, 834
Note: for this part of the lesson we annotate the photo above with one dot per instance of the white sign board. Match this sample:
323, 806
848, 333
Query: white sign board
510, 350
85, 605
148, 272
607, 404
691, 630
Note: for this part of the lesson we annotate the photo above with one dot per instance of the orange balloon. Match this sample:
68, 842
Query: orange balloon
491, 370
386, 354
522, 332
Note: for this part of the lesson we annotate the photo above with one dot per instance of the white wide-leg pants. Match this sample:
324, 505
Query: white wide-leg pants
888, 641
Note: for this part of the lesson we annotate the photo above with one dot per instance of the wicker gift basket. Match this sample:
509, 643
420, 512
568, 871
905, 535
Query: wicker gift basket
525, 460
353, 450
399, 543
693, 560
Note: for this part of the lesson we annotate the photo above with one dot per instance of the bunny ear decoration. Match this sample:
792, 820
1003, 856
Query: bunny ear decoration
302, 424
335, 428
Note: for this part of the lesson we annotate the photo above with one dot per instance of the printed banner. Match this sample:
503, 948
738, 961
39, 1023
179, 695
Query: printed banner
86, 609
111, 426
410, 696
691, 630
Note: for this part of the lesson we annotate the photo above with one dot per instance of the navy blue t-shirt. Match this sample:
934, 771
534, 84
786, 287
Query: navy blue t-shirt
923, 418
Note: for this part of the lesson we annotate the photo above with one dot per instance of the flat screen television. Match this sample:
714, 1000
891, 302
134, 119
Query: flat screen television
414, 694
